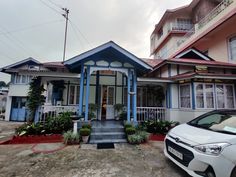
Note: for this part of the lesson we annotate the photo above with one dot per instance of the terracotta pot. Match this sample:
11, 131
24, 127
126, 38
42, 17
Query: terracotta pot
85, 139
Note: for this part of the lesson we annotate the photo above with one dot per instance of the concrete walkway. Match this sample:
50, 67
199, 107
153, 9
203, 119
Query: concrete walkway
7, 129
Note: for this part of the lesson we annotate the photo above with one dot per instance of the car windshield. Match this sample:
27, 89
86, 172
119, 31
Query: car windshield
218, 122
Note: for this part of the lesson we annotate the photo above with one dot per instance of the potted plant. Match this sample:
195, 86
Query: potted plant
84, 133
70, 138
118, 108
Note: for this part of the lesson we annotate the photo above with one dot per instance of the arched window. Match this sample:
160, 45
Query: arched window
232, 48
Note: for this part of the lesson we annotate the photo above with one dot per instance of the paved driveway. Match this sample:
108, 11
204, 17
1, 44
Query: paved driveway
72, 161
85, 161
7, 129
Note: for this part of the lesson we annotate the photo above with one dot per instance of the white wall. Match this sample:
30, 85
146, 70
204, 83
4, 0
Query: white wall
183, 115
18, 90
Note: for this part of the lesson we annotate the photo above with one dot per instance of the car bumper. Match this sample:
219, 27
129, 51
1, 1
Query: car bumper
200, 163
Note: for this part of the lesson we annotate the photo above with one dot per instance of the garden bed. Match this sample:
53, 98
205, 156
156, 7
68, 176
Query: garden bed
31, 139
156, 137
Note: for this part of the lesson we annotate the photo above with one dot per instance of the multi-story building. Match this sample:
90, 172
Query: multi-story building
191, 76
206, 25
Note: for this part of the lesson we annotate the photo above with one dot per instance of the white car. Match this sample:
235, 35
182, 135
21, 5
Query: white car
205, 146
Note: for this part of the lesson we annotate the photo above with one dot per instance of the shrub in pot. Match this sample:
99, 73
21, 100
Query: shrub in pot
87, 126
70, 138
130, 130
84, 133
138, 138
128, 125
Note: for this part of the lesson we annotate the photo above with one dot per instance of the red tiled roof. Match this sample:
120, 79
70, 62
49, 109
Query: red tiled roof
187, 61
189, 75
152, 62
54, 64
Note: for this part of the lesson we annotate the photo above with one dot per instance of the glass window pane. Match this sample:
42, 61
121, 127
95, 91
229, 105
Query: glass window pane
232, 48
209, 96
199, 96
18, 79
72, 94
229, 96
23, 79
220, 96
185, 99
110, 95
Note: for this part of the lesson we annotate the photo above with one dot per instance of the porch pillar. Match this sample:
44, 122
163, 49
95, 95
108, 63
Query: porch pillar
134, 96
87, 94
81, 91
128, 96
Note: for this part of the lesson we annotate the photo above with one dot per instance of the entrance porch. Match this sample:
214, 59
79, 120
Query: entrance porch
107, 77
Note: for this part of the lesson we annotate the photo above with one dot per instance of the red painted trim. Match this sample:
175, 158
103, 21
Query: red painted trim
212, 28
154, 137
34, 139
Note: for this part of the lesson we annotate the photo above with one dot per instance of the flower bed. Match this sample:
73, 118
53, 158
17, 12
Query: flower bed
157, 137
31, 139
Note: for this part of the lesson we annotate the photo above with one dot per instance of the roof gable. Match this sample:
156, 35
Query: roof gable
194, 54
29, 61
109, 51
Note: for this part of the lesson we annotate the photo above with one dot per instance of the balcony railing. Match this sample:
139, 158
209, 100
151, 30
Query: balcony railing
198, 28
53, 111
183, 27
151, 113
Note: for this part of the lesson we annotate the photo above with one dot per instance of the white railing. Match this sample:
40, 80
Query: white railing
53, 111
180, 27
216, 11
151, 113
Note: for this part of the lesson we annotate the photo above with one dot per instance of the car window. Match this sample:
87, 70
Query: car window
219, 122
215, 118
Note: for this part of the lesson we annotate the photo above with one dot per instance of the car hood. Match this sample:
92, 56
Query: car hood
196, 136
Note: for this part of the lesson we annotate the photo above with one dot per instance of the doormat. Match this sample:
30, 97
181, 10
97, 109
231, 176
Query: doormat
105, 146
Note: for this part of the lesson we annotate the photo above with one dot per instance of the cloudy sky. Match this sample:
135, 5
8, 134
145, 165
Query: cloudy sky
35, 27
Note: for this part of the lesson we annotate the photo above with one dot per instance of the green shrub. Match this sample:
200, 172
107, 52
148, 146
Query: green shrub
138, 138
70, 138
87, 126
59, 124
130, 130
159, 127
84, 132
56, 125
30, 129
127, 125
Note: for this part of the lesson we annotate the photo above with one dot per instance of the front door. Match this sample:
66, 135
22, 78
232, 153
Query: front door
18, 112
110, 103
108, 99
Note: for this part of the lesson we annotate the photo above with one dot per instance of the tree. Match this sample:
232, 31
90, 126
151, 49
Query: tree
3, 84
35, 97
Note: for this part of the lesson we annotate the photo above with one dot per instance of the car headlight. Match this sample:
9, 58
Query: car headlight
211, 149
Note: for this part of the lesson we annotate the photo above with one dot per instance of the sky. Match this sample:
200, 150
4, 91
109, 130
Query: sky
35, 28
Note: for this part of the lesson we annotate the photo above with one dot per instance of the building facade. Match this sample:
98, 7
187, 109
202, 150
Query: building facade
195, 76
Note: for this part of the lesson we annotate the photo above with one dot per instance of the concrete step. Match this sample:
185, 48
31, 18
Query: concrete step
107, 135
106, 129
108, 141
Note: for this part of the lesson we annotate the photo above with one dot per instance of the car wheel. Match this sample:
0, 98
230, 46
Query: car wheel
210, 173
233, 174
